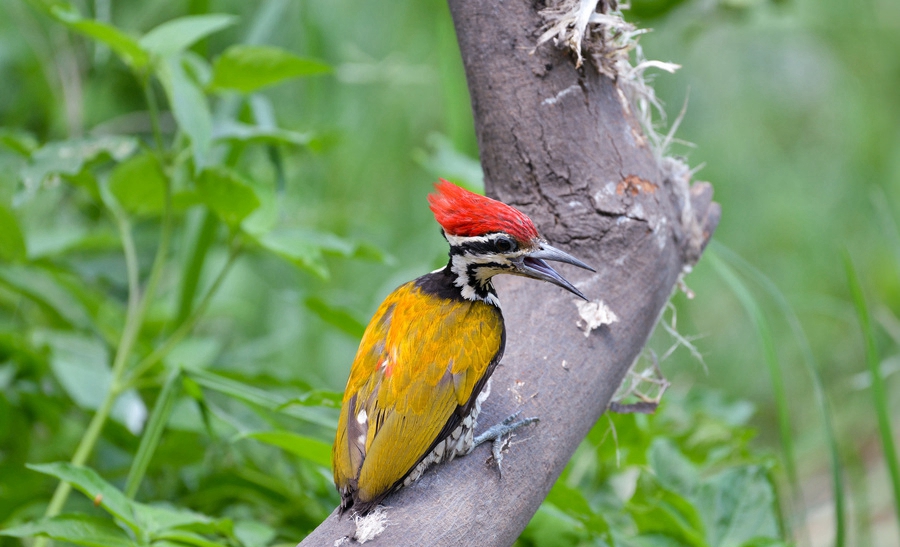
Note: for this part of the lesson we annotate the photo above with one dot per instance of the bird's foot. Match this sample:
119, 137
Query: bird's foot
499, 436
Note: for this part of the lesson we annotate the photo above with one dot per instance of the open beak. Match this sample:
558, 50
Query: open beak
533, 265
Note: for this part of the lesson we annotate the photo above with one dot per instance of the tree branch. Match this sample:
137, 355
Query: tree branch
556, 142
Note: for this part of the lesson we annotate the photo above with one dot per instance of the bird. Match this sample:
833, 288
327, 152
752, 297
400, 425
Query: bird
423, 367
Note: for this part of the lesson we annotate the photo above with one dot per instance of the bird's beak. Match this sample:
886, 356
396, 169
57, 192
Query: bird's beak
533, 265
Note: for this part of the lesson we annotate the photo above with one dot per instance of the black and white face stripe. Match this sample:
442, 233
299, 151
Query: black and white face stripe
483, 245
475, 260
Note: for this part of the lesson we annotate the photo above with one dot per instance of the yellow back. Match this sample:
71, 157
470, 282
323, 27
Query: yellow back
419, 360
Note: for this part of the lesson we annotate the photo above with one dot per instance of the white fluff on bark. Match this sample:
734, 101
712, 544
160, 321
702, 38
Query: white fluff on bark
371, 525
594, 315
596, 29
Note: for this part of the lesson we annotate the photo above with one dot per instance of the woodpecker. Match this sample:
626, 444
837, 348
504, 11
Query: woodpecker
423, 366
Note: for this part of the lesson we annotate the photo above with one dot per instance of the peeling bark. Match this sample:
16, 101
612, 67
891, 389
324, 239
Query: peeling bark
557, 143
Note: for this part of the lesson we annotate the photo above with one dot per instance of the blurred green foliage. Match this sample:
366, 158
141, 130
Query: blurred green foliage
201, 203
792, 108
683, 476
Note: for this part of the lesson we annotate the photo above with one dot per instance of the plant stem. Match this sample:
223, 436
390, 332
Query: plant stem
129, 335
160, 259
134, 317
153, 109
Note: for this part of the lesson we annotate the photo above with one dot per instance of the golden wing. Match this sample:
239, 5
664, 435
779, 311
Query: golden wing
418, 365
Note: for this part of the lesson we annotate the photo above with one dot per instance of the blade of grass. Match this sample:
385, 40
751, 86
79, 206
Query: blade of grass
206, 235
764, 333
888, 222
812, 368
153, 432
258, 397
879, 394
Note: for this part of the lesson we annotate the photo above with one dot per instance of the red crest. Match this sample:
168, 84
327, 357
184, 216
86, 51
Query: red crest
463, 213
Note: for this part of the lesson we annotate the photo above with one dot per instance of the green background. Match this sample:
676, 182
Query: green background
793, 112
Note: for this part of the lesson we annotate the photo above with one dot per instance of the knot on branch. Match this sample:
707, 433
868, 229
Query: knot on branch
699, 215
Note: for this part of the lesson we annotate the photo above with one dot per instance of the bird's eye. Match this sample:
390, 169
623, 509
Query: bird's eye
505, 245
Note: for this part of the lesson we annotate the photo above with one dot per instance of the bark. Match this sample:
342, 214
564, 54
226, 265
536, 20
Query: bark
557, 143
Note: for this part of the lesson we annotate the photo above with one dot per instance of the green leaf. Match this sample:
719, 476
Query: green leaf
235, 389
126, 47
551, 527
311, 449
181, 537
248, 68
252, 533
179, 34
56, 240
44, 289
672, 469
259, 397
738, 505
236, 132
88, 482
573, 503
192, 389
19, 141
371, 253
139, 185
185, 199
306, 248
141, 518
197, 67
189, 106
69, 158
77, 529
158, 519
713, 403
81, 365
339, 318
12, 243
298, 247
656, 510
227, 194
316, 397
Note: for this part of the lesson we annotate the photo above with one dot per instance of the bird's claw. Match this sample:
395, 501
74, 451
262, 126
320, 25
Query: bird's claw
499, 433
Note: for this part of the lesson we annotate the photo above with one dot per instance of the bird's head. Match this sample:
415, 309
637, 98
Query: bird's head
488, 237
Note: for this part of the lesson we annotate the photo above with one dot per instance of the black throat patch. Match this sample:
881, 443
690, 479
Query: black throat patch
442, 283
